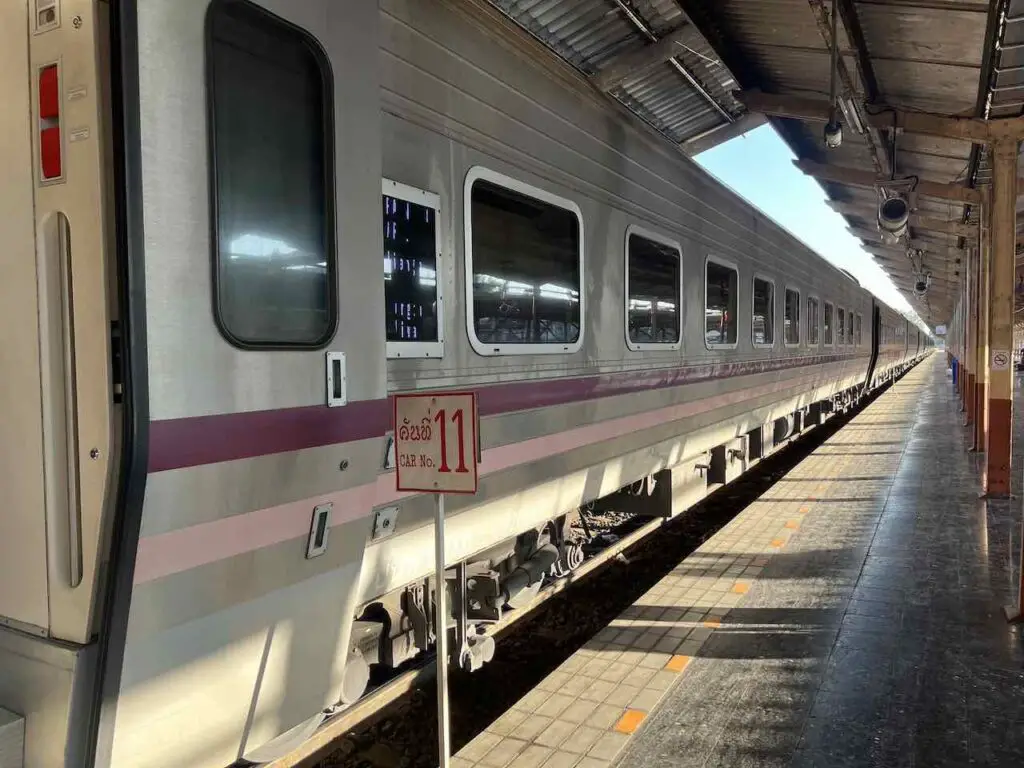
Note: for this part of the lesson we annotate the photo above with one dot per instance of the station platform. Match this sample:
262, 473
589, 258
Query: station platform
851, 616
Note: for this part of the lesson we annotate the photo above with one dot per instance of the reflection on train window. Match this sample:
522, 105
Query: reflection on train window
653, 291
828, 323
763, 318
812, 321
857, 330
791, 319
411, 248
271, 157
841, 327
720, 303
526, 261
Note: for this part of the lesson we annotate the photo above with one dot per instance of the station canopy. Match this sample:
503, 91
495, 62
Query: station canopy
701, 72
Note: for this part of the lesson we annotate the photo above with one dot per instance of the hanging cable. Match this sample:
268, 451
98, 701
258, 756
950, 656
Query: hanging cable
833, 129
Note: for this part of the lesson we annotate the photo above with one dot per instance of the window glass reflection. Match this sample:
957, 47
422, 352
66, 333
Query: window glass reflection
791, 321
654, 285
270, 154
720, 304
828, 322
812, 320
526, 268
763, 319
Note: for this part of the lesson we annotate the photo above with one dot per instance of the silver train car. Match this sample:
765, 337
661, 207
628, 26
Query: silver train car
234, 230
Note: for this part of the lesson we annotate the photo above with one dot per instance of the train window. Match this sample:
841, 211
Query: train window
721, 289
791, 318
653, 291
412, 250
813, 321
857, 330
828, 323
840, 327
271, 161
762, 321
524, 257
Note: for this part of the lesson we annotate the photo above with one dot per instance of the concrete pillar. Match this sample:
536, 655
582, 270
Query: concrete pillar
1000, 328
981, 383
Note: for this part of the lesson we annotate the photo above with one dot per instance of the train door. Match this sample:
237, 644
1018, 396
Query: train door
57, 402
876, 329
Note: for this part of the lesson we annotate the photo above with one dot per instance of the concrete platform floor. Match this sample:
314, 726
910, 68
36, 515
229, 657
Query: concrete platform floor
875, 636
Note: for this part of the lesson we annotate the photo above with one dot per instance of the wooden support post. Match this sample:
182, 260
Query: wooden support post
971, 271
981, 383
962, 347
999, 439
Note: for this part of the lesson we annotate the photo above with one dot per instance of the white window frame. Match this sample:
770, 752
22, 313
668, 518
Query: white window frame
775, 304
824, 343
817, 321
799, 317
710, 259
636, 229
420, 349
482, 173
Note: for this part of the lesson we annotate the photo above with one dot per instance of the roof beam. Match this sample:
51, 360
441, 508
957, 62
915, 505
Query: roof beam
858, 178
873, 236
850, 21
886, 118
916, 220
648, 57
722, 133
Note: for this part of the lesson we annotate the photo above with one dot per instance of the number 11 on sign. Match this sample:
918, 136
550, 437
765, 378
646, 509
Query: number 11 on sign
436, 447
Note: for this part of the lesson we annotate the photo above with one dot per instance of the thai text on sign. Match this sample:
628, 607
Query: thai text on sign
436, 442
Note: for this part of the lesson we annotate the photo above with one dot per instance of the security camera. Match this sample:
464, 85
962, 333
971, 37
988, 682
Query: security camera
893, 217
833, 134
921, 283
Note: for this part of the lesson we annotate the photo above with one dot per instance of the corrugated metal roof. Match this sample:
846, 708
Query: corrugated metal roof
682, 99
908, 54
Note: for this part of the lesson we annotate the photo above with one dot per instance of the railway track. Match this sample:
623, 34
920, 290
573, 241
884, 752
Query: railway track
393, 725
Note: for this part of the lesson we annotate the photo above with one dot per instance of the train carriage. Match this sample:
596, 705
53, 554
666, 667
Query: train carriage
236, 230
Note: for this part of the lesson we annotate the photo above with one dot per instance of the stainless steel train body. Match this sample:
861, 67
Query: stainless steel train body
200, 402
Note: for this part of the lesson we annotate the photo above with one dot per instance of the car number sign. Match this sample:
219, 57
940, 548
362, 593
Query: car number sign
436, 442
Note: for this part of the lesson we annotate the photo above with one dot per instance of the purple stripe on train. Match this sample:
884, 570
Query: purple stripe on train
198, 440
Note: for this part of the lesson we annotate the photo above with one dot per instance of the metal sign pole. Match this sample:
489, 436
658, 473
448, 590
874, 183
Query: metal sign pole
441, 633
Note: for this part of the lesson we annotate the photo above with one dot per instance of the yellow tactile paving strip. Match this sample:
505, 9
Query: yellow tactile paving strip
584, 712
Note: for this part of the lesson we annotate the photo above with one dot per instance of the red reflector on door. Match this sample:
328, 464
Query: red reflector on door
49, 93
49, 152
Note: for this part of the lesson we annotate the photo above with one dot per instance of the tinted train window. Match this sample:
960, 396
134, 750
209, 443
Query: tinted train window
841, 327
271, 160
720, 302
857, 330
526, 269
411, 310
791, 319
812, 320
763, 318
828, 322
653, 291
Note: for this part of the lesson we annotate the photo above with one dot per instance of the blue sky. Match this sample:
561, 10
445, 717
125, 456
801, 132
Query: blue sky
796, 202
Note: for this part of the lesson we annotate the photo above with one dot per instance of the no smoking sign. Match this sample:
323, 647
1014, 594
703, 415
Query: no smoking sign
1000, 360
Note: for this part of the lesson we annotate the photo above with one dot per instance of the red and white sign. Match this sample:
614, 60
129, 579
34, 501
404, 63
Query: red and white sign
436, 442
